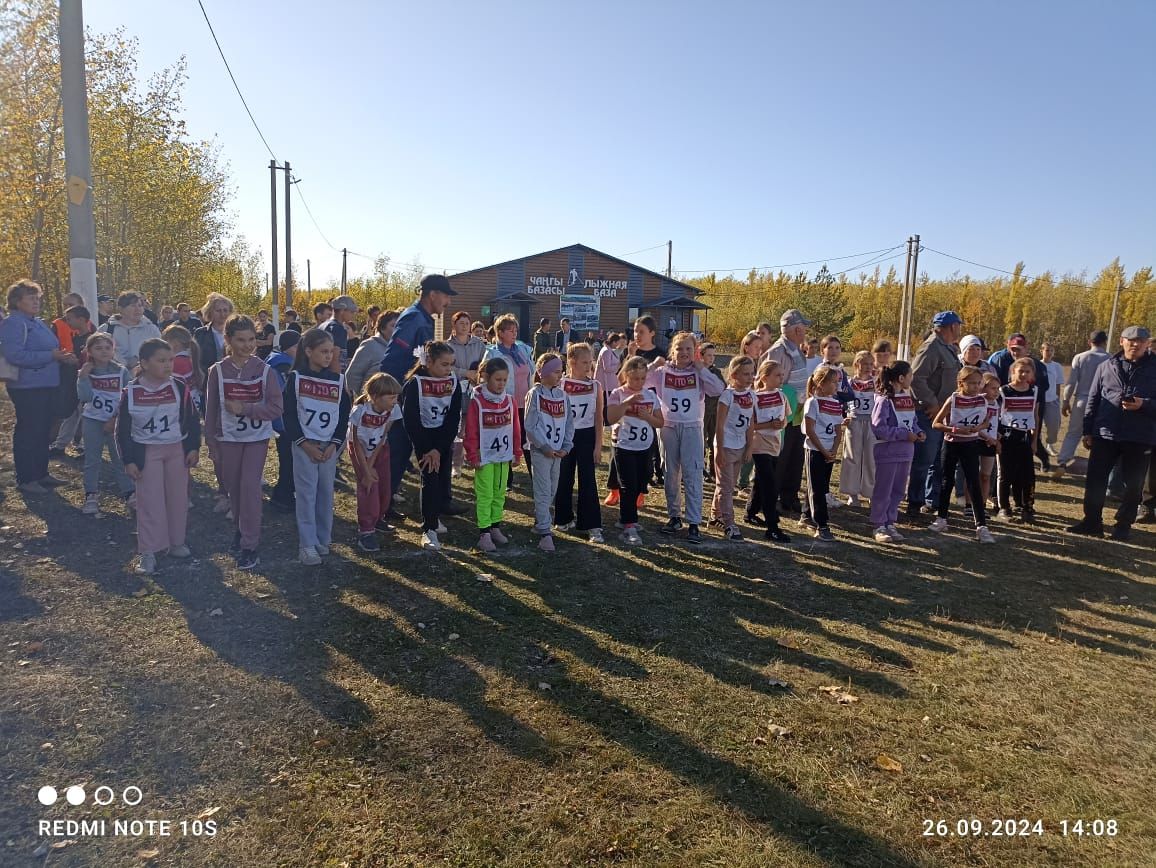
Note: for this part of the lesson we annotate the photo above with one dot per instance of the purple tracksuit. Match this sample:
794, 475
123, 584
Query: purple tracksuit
893, 454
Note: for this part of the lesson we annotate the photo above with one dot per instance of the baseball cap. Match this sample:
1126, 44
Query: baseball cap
1017, 340
344, 302
970, 341
945, 318
436, 283
105, 299
288, 339
1136, 333
793, 317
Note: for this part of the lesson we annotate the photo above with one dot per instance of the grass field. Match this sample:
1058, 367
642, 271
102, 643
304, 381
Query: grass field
595, 706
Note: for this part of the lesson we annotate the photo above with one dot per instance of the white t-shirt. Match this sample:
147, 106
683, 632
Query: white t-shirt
632, 433
371, 426
740, 413
828, 416
1055, 379
864, 395
583, 396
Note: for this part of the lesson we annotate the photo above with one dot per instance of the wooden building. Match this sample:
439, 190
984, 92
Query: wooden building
599, 293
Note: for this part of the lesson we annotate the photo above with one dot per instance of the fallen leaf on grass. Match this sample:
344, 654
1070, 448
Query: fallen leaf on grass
205, 814
839, 694
34, 647
775, 682
41, 850
60, 845
216, 613
141, 592
543, 685
147, 854
778, 731
453, 636
889, 764
788, 644
925, 757
484, 577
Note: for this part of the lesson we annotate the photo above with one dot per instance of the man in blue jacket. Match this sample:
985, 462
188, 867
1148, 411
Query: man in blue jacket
1120, 425
415, 327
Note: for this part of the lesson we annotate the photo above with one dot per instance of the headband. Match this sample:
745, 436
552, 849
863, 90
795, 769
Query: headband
550, 366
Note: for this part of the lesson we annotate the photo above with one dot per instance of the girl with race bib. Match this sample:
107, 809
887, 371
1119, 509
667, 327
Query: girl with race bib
962, 418
587, 409
316, 420
1019, 429
493, 442
550, 433
242, 399
896, 432
158, 433
857, 473
736, 408
431, 408
683, 384
100, 383
635, 411
824, 423
989, 437
771, 411
374, 412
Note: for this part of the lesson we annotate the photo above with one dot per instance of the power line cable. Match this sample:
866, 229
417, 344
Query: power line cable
233, 78
786, 264
1026, 277
643, 250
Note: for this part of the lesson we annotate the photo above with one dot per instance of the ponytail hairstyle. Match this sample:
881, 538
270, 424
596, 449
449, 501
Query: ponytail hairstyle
238, 322
764, 372
490, 367
886, 379
633, 364
737, 362
376, 386
432, 350
818, 377
311, 340
181, 339
860, 357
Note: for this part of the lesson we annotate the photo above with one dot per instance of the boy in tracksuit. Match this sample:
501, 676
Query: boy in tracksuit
550, 433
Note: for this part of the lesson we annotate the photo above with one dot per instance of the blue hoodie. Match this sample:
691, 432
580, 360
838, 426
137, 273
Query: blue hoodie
281, 363
28, 343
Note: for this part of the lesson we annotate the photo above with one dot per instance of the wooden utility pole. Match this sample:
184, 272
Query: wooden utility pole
669, 256
273, 221
288, 241
907, 302
309, 279
1115, 311
344, 262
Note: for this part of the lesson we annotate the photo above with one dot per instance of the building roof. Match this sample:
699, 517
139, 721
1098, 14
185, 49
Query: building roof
515, 296
678, 301
693, 290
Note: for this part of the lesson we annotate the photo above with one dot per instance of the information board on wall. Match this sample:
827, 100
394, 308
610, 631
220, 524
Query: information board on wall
583, 311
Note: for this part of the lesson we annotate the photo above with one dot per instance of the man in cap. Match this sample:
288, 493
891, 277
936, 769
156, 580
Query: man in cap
1079, 385
1120, 426
1018, 348
106, 307
415, 327
344, 310
934, 370
788, 352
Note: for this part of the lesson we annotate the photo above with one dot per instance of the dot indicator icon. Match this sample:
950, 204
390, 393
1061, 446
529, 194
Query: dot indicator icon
75, 795
47, 795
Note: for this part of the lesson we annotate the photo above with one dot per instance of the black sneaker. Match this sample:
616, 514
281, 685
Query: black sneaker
1084, 528
1028, 516
733, 534
693, 535
714, 522
1121, 532
824, 535
914, 510
756, 520
773, 533
51, 481
393, 516
247, 559
282, 505
455, 508
367, 542
1146, 515
384, 526
671, 527
969, 512
56, 451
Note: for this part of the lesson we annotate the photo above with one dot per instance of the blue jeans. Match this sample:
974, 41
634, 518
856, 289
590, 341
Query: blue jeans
926, 472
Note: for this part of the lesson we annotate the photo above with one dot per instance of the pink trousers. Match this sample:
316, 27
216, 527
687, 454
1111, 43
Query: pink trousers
241, 469
162, 499
373, 502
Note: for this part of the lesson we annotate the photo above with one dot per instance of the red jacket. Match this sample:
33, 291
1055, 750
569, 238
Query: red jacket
471, 441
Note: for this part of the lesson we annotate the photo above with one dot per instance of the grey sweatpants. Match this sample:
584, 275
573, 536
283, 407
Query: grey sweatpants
1075, 431
683, 445
313, 484
95, 440
546, 472
68, 429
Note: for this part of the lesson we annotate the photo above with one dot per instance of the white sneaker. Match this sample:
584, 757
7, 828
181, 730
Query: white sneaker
894, 532
146, 564
322, 550
984, 535
442, 527
429, 540
882, 536
833, 502
852, 500
939, 525
309, 556
596, 535
567, 527
631, 536
91, 504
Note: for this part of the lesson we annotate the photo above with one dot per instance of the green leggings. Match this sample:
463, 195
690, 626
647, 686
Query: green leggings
490, 483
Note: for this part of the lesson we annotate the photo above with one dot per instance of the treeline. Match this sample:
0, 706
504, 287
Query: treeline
159, 198
1062, 310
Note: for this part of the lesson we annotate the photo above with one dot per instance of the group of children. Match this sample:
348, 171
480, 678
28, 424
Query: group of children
866, 418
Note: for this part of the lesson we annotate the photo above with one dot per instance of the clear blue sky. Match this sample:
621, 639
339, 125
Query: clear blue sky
463, 134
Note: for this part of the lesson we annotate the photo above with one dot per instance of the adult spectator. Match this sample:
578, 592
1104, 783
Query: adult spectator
562, 339
266, 335
72, 331
322, 311
814, 357
369, 330
148, 311
478, 329
767, 333
543, 340
32, 348
971, 350
367, 357
166, 317
291, 320
1120, 426
788, 352
468, 350
1079, 384
934, 371
1018, 348
129, 328
1051, 410
210, 338
343, 310
185, 317
415, 328
105, 308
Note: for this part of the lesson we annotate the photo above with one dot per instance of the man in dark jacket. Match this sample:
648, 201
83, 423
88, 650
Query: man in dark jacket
934, 371
1120, 425
1017, 348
